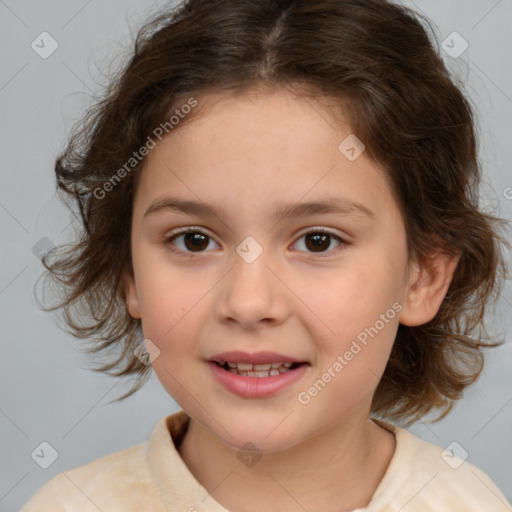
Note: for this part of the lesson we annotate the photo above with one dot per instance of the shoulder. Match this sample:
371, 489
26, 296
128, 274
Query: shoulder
118, 481
431, 478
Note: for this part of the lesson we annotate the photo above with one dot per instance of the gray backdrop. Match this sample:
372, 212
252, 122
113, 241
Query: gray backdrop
48, 394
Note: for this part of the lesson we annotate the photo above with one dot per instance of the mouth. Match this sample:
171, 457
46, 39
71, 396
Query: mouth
261, 370
256, 374
256, 379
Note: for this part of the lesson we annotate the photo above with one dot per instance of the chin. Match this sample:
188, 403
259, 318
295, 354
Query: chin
268, 433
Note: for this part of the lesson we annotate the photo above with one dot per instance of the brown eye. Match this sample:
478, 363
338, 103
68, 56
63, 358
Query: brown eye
191, 241
195, 241
188, 241
319, 240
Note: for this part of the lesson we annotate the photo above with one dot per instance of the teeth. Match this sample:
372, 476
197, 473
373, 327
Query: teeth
259, 374
248, 367
257, 370
259, 367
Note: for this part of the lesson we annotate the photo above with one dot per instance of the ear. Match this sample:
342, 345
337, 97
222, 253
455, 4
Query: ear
130, 292
427, 288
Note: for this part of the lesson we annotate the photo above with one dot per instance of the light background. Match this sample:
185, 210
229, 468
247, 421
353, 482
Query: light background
48, 394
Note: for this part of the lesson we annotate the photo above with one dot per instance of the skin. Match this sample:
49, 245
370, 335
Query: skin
246, 153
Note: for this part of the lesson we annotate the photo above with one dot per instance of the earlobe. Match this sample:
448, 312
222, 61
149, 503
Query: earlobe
427, 288
130, 293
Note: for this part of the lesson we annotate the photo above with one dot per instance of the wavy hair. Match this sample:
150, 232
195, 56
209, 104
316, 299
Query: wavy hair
372, 56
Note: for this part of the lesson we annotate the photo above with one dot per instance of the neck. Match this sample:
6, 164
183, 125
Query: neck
337, 470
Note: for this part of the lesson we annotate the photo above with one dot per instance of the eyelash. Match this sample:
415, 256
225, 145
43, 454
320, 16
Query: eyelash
195, 229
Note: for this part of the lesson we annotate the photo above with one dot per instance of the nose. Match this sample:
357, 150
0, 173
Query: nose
252, 294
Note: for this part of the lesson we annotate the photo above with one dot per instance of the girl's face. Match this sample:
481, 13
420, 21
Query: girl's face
322, 286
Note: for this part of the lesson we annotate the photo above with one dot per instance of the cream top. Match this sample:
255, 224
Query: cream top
152, 476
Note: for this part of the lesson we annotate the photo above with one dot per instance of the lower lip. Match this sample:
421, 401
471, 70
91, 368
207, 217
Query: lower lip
256, 387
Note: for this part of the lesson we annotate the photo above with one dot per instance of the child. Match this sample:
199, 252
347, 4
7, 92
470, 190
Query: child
241, 136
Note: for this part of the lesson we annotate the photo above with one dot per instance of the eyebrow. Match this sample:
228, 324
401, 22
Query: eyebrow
337, 205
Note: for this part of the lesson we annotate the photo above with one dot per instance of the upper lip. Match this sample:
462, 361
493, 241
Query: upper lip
237, 356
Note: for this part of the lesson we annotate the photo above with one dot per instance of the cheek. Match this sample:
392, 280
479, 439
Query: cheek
352, 296
169, 304
360, 312
173, 306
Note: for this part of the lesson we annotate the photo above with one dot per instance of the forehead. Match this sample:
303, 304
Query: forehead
251, 151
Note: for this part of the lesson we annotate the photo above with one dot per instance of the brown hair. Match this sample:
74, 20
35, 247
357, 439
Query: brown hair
373, 56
